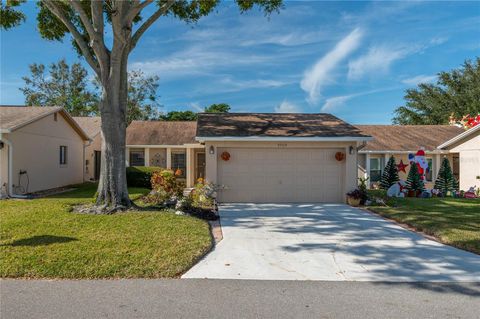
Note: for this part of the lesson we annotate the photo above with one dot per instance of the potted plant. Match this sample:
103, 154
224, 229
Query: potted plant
354, 197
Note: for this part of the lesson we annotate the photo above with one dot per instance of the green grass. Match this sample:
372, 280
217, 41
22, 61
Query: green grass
42, 238
453, 221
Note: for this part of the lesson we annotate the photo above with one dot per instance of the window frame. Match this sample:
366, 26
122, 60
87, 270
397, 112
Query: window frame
63, 160
381, 164
131, 154
175, 167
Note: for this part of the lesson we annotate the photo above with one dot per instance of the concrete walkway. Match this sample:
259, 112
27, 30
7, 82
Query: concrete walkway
24, 299
327, 242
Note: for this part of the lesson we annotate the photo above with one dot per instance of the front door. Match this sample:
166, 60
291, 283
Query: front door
456, 167
98, 161
200, 165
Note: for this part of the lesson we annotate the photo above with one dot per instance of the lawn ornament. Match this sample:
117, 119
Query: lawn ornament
421, 162
397, 190
470, 193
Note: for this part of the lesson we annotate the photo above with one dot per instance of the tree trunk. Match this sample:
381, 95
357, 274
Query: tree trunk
112, 192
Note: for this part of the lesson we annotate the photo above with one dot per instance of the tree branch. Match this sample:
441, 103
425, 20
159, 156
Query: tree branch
138, 34
57, 11
137, 8
85, 19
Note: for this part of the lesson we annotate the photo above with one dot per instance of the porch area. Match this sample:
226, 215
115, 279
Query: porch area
188, 158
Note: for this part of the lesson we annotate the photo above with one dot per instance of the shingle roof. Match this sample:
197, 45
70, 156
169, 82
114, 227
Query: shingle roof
407, 137
91, 125
13, 117
161, 133
273, 125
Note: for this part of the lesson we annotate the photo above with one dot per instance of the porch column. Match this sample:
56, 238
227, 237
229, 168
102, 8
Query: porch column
169, 158
189, 167
147, 156
127, 156
436, 166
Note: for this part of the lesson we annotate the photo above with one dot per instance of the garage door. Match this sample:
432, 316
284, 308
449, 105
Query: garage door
281, 175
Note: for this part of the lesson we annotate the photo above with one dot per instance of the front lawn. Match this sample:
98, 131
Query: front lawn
453, 221
41, 238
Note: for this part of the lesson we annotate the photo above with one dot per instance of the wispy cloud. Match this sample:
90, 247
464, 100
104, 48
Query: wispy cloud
196, 106
287, 107
320, 74
419, 79
334, 103
377, 59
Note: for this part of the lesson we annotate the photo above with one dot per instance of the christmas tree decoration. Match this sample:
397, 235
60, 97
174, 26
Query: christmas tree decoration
445, 181
390, 174
401, 167
414, 182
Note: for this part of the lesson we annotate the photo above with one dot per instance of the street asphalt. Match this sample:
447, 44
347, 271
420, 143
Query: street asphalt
207, 298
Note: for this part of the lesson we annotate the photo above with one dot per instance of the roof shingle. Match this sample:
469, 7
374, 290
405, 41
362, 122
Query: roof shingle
91, 125
407, 137
13, 117
273, 125
161, 133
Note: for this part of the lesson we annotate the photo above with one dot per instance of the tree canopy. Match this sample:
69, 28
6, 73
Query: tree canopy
456, 92
179, 116
218, 108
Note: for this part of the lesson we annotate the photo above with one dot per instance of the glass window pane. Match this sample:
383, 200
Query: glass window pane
137, 158
179, 161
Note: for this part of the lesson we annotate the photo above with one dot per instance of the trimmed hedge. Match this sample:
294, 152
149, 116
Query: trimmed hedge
139, 176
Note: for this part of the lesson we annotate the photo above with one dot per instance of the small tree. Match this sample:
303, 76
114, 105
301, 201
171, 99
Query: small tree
445, 181
390, 174
414, 181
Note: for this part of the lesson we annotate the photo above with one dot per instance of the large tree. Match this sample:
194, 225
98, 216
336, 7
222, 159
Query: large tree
218, 108
86, 21
63, 85
179, 116
457, 92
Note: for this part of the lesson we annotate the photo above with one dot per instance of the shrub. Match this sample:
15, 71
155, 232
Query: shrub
140, 176
165, 187
355, 194
202, 194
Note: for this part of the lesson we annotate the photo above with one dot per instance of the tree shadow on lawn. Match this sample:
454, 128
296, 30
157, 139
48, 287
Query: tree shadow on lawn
41, 240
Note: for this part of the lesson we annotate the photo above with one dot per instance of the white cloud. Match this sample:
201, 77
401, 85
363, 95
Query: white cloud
196, 106
317, 76
420, 79
287, 107
377, 59
334, 103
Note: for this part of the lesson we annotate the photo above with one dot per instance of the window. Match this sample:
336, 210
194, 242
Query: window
137, 158
376, 169
179, 161
429, 174
63, 155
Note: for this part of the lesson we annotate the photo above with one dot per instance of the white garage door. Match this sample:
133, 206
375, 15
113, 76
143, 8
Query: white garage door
281, 175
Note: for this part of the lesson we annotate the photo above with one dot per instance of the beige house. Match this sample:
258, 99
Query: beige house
264, 157
92, 151
438, 141
467, 146
169, 145
40, 148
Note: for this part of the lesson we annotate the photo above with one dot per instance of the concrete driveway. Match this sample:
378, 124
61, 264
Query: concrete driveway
327, 242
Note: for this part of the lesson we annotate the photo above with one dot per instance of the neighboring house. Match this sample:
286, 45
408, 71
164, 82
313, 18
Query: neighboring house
278, 158
91, 126
41, 148
401, 140
467, 146
166, 144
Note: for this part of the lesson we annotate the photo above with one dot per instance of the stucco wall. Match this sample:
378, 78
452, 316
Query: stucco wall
4, 169
469, 151
350, 161
36, 149
96, 145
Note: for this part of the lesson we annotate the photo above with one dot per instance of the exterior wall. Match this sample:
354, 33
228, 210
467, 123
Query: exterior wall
436, 160
158, 157
4, 169
469, 152
96, 145
36, 149
350, 161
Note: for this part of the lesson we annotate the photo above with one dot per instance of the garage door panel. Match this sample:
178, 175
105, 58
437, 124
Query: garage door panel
281, 175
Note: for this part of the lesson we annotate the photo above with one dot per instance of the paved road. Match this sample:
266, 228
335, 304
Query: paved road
203, 298
327, 242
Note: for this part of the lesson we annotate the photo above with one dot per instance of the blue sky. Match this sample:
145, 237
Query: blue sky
352, 59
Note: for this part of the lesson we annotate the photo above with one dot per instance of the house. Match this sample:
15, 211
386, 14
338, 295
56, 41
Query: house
467, 147
92, 151
166, 144
401, 140
40, 148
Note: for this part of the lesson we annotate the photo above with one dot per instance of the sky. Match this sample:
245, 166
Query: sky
352, 59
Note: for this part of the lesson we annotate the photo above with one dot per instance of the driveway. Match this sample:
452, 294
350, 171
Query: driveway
327, 242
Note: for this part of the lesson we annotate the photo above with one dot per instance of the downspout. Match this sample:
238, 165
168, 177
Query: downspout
10, 171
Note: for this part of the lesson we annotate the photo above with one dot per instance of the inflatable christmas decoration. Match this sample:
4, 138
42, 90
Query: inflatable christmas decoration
466, 122
397, 190
421, 163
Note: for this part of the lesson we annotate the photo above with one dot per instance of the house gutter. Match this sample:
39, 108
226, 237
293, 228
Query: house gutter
10, 170
202, 139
